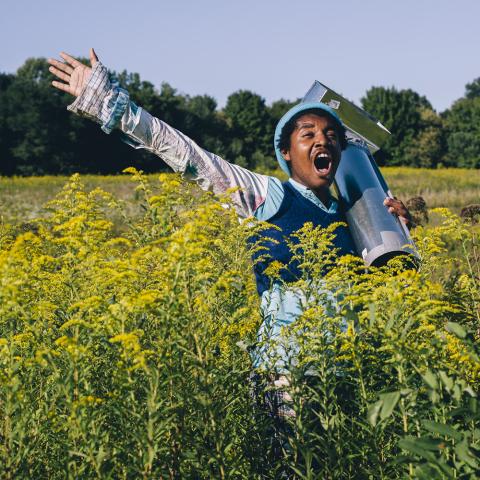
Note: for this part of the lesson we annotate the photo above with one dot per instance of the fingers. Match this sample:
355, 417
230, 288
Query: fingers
93, 57
62, 86
60, 66
393, 203
61, 75
396, 207
69, 59
388, 202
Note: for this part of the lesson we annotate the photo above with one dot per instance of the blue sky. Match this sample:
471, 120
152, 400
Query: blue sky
275, 48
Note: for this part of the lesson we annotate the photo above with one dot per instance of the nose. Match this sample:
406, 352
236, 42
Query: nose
321, 139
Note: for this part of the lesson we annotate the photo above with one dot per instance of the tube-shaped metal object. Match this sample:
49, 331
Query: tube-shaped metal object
360, 124
361, 188
378, 235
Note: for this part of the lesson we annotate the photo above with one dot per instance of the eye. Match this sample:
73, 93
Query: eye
308, 134
332, 135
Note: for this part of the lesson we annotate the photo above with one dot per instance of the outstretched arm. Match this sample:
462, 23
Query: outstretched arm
109, 105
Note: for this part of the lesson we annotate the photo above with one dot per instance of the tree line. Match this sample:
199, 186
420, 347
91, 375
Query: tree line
39, 136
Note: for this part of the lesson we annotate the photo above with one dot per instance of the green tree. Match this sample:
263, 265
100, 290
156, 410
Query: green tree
7, 165
400, 112
204, 123
472, 90
278, 108
462, 123
141, 92
33, 120
35, 70
427, 149
39, 136
250, 126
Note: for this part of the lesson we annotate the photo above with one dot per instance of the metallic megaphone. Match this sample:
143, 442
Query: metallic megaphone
361, 188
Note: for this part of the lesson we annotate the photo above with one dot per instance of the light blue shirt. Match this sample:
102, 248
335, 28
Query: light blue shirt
281, 305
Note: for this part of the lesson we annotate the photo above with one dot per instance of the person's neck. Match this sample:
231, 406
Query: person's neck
322, 193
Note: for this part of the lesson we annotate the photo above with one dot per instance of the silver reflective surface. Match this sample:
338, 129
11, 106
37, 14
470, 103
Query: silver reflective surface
361, 189
359, 124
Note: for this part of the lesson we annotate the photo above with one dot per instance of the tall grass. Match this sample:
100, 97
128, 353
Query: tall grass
22, 198
124, 347
447, 187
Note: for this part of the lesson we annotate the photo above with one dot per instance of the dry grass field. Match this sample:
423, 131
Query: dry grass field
453, 188
21, 199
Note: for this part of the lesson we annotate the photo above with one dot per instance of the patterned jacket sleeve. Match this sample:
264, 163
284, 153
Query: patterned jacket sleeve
103, 101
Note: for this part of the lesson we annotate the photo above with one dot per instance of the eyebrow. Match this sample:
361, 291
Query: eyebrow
304, 125
299, 126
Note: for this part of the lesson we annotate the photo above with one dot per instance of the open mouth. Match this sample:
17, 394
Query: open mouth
323, 163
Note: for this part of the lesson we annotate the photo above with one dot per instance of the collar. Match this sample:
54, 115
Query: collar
307, 193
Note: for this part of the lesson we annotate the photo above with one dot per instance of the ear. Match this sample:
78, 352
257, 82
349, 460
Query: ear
286, 154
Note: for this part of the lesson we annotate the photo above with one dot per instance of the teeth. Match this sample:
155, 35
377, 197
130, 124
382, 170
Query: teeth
322, 161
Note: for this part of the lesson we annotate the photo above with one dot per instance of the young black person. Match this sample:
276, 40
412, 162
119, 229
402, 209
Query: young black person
308, 143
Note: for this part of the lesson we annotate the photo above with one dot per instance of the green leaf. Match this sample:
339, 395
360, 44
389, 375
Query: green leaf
463, 453
427, 472
456, 329
442, 429
433, 396
371, 314
373, 411
430, 379
446, 380
457, 392
472, 402
390, 400
428, 443
391, 321
101, 455
78, 454
410, 444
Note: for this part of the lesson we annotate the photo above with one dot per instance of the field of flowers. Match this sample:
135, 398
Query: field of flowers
22, 198
126, 322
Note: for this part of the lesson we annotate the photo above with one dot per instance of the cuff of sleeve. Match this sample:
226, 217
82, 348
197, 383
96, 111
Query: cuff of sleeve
90, 101
116, 106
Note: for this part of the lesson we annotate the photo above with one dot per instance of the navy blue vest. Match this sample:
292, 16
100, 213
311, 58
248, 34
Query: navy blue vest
294, 212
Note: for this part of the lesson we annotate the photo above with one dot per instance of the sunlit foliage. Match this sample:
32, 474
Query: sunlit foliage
124, 352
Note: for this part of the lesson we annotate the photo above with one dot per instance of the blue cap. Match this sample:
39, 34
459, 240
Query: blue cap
301, 107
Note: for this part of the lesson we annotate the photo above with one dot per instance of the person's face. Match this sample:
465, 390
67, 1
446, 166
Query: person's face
314, 153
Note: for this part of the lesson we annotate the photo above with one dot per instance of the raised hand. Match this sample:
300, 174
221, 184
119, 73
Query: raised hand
74, 74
